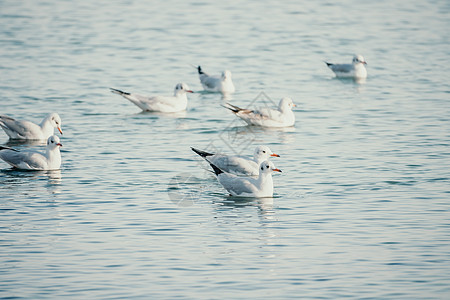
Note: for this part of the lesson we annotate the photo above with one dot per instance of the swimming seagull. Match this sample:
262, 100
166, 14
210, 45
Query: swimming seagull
165, 104
354, 70
260, 187
283, 116
222, 83
25, 130
237, 164
33, 160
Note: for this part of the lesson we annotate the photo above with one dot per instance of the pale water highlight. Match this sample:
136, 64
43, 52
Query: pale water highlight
360, 211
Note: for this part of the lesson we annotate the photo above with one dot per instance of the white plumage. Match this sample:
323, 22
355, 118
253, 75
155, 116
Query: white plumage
356, 69
260, 187
283, 116
165, 104
222, 83
238, 165
33, 160
26, 130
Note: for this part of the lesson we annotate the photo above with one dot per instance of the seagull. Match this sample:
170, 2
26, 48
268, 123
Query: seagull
165, 104
238, 165
260, 187
222, 83
33, 160
354, 70
25, 130
267, 117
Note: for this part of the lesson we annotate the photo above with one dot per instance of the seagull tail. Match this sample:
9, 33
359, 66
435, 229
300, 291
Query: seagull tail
119, 92
233, 108
201, 153
200, 71
7, 148
217, 171
328, 64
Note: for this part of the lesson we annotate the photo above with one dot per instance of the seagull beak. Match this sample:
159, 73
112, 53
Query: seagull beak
59, 144
364, 62
273, 154
189, 91
294, 105
60, 131
276, 170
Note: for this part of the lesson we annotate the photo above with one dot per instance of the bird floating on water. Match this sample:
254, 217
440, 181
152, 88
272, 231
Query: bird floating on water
165, 104
34, 160
356, 69
222, 83
26, 130
283, 116
260, 187
238, 165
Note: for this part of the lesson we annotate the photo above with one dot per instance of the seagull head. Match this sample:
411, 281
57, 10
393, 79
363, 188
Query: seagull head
182, 88
285, 104
226, 75
262, 153
267, 167
53, 142
55, 120
359, 59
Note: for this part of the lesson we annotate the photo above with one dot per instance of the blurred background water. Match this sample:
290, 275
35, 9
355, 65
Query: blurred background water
361, 209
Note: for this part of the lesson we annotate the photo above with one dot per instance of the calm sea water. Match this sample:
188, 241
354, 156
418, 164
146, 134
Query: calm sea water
360, 211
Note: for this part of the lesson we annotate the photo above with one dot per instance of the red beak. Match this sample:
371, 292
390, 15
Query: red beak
276, 170
189, 91
273, 154
60, 131
59, 144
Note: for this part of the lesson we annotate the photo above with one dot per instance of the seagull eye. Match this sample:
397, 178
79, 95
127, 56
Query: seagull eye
262, 168
264, 151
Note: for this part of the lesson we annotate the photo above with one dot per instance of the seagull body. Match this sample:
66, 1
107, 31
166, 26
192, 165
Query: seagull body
267, 117
165, 104
33, 160
260, 187
25, 130
238, 165
356, 69
222, 83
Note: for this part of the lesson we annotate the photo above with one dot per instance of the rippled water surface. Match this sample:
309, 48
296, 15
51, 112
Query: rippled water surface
361, 209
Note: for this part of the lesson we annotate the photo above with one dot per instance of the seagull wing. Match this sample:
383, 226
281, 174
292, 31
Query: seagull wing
24, 160
210, 82
16, 128
237, 186
341, 68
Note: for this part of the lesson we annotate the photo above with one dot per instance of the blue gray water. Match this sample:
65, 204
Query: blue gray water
360, 211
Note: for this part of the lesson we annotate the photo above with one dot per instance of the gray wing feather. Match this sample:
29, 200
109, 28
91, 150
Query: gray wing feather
19, 127
236, 185
24, 160
209, 81
341, 68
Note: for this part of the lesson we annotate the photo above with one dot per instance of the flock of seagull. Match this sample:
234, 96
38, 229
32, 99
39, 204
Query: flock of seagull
240, 176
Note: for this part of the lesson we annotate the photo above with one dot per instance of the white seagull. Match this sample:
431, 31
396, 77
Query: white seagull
260, 187
238, 165
267, 117
222, 83
33, 160
25, 130
165, 104
354, 70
